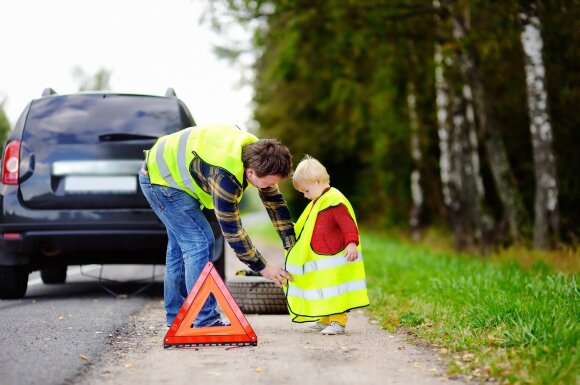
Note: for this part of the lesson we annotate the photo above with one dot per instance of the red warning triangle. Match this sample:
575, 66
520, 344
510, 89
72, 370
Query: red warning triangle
238, 333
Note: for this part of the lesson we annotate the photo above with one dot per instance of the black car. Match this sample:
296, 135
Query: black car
70, 193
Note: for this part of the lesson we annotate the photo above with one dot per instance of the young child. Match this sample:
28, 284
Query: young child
326, 261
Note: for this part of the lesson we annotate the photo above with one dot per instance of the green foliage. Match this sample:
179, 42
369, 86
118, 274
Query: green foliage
331, 82
96, 82
346, 112
4, 125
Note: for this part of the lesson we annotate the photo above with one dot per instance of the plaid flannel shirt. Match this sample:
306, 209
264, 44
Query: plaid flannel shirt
225, 190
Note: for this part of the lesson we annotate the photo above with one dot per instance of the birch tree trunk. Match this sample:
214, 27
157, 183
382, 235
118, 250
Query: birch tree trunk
459, 148
472, 206
447, 165
485, 223
546, 215
467, 235
458, 172
416, 155
473, 141
442, 105
492, 141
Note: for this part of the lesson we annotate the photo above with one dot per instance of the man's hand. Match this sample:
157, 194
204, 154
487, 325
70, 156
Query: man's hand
276, 274
351, 252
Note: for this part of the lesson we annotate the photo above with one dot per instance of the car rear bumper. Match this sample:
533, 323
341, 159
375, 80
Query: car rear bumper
39, 238
45, 248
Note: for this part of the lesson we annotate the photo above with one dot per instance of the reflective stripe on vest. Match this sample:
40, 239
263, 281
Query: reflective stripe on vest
169, 159
321, 264
323, 284
181, 164
327, 292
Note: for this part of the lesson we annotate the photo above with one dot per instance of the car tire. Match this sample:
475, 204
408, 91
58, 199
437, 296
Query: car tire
13, 282
257, 295
53, 275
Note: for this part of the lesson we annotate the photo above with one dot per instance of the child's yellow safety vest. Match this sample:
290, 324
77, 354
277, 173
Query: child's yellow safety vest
323, 284
217, 145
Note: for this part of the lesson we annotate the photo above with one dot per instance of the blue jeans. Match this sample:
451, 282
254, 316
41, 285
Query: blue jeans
189, 247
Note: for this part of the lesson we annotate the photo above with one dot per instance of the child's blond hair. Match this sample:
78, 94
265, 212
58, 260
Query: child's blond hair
308, 171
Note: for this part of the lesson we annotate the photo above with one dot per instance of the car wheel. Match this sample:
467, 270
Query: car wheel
53, 275
13, 281
257, 295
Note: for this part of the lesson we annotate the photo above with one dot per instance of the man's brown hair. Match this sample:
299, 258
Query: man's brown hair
267, 157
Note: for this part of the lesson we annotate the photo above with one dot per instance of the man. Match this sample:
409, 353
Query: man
211, 166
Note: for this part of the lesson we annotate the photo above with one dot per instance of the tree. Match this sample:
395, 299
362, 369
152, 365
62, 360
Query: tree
459, 163
97, 82
417, 194
463, 189
546, 218
496, 152
352, 83
4, 124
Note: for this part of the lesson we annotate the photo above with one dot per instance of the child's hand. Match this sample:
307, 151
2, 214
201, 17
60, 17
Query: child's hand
351, 252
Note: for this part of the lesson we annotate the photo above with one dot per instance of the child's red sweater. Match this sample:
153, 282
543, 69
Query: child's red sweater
334, 229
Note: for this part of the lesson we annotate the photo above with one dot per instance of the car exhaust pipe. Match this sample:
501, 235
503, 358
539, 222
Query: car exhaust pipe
50, 250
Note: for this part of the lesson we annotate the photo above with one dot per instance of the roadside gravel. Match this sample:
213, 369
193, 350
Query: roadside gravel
287, 353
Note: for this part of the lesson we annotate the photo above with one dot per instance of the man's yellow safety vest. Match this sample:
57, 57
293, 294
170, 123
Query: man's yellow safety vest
217, 145
323, 284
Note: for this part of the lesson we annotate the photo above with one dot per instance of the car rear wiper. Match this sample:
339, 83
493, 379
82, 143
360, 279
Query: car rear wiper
121, 136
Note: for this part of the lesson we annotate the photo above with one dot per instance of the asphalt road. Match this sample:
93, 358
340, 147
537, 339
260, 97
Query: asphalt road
57, 332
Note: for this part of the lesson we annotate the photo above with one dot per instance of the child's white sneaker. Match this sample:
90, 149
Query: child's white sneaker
318, 326
333, 329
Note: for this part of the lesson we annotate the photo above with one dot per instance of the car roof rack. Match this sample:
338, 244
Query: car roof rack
48, 91
170, 92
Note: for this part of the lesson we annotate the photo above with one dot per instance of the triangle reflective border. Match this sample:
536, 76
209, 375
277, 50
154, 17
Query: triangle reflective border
182, 334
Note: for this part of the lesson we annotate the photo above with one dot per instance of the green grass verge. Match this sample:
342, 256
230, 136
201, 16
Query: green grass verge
489, 319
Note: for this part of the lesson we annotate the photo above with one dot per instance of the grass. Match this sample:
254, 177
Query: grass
493, 319
497, 318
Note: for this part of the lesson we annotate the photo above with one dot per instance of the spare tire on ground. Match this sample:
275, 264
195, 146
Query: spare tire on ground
257, 295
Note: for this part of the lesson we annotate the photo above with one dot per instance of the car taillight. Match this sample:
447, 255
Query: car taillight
11, 163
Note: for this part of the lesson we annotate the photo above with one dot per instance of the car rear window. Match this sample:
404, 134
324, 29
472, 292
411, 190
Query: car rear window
72, 119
